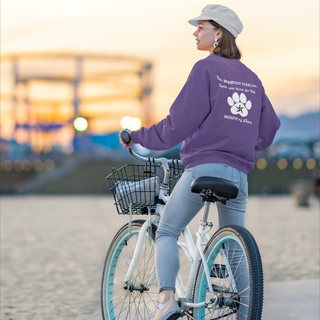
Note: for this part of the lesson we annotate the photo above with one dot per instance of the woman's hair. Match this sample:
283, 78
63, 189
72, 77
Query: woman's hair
227, 46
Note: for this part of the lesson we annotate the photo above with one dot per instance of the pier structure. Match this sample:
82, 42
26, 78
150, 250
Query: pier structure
43, 93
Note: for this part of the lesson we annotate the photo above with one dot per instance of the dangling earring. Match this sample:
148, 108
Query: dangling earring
215, 42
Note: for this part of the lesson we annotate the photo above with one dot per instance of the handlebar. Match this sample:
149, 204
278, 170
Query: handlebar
125, 135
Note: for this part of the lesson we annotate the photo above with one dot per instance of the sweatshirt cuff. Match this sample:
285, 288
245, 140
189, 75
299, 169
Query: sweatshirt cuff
134, 136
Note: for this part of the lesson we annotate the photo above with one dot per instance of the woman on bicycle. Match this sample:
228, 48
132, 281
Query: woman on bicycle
222, 115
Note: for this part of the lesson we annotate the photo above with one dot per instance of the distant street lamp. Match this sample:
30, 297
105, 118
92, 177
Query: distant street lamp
80, 124
130, 123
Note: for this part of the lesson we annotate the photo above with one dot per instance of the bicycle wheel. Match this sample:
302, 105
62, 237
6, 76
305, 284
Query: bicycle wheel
136, 299
236, 275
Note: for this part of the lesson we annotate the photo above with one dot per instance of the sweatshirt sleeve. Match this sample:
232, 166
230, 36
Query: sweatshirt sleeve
269, 124
186, 114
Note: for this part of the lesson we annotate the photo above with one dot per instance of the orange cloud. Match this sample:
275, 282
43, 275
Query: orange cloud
296, 96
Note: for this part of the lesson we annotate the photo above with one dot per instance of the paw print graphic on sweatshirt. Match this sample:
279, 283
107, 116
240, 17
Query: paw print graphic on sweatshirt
239, 105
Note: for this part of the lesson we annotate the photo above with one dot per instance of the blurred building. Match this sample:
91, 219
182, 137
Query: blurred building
48, 99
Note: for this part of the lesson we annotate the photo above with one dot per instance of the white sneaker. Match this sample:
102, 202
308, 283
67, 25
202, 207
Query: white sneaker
170, 312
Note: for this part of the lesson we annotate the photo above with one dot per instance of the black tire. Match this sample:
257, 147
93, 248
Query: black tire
244, 300
136, 299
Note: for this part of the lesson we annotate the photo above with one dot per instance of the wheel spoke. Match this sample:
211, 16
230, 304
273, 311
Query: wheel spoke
234, 247
134, 302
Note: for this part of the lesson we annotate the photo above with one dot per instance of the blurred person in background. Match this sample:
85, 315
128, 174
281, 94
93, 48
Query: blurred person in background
222, 115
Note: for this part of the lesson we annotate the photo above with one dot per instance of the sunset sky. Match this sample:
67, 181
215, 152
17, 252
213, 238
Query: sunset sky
280, 40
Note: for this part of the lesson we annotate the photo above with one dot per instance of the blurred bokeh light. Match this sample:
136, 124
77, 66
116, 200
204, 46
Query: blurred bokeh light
80, 124
130, 123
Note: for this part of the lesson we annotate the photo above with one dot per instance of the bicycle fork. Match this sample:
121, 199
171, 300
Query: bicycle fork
135, 258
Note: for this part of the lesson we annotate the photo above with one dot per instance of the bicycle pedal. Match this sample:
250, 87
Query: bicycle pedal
219, 271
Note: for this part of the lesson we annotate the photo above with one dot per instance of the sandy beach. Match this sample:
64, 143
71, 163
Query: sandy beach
53, 249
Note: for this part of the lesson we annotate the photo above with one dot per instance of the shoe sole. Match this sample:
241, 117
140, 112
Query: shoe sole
174, 316
171, 314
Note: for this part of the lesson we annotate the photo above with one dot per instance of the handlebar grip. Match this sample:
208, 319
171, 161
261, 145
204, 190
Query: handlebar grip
125, 135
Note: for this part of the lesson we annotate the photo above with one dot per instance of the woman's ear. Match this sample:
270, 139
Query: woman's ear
219, 34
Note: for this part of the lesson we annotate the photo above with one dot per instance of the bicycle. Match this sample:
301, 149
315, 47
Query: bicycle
226, 277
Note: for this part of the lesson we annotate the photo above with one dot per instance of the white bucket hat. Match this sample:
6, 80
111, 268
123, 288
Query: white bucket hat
222, 15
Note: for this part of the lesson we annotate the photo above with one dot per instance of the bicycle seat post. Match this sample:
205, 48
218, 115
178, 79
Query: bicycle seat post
204, 219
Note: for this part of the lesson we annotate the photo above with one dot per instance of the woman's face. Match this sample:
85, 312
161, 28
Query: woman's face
205, 35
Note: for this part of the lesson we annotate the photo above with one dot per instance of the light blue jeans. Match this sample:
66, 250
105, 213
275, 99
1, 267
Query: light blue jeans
182, 207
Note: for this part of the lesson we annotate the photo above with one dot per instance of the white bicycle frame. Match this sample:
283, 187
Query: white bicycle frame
192, 251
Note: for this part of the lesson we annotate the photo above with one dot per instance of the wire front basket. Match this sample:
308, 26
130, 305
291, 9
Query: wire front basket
136, 187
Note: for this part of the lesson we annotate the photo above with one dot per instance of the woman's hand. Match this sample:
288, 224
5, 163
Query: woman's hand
128, 143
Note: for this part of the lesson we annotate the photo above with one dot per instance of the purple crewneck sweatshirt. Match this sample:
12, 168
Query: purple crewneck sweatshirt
222, 114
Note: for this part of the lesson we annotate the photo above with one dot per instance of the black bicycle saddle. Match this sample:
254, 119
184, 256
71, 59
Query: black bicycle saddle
217, 186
